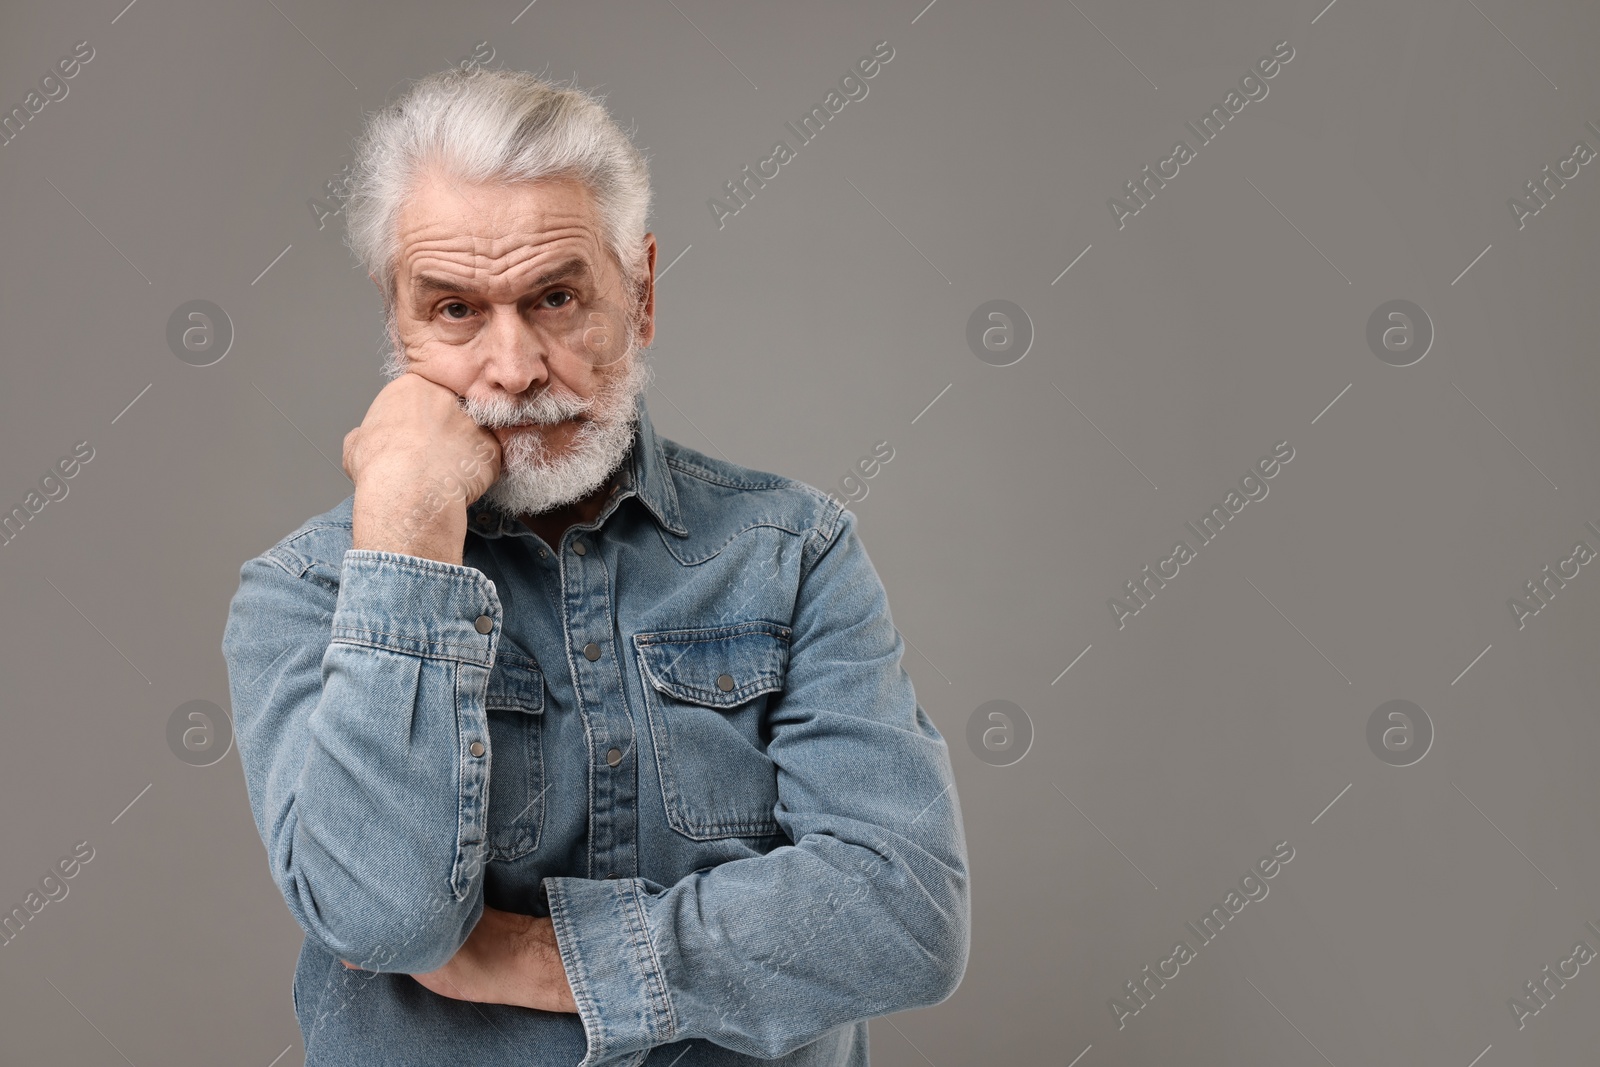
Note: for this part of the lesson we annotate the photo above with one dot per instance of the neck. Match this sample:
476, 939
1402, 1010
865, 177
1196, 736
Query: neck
552, 525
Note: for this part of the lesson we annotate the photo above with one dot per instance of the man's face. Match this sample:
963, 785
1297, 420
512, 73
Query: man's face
506, 295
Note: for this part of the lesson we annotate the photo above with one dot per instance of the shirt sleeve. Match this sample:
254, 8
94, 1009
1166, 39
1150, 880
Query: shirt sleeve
358, 707
866, 914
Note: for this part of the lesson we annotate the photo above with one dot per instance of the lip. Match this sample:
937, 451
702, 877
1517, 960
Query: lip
561, 422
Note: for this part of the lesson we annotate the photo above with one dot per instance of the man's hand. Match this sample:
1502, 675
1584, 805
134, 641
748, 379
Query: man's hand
507, 959
418, 460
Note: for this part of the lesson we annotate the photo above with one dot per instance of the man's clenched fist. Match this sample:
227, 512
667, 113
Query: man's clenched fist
418, 461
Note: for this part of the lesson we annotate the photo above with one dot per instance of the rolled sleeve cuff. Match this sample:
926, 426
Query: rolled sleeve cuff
616, 977
419, 606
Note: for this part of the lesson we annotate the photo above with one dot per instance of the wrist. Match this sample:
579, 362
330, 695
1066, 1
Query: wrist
545, 977
429, 525
432, 546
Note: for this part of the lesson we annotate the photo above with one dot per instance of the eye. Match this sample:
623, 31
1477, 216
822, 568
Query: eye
455, 304
561, 292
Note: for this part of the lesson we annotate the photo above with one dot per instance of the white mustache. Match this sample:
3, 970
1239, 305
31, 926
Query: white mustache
544, 409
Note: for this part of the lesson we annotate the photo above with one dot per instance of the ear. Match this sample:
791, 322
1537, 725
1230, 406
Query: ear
649, 331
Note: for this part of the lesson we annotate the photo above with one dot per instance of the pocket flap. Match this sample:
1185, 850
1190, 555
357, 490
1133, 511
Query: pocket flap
515, 683
719, 666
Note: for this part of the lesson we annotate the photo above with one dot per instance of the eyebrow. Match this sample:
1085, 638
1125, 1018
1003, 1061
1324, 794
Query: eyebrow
426, 285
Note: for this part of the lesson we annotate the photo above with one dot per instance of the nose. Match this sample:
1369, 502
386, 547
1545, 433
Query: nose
515, 354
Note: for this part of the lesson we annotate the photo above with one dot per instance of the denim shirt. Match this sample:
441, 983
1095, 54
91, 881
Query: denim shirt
684, 734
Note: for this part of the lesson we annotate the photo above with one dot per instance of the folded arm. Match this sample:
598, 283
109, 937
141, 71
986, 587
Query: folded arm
866, 914
357, 707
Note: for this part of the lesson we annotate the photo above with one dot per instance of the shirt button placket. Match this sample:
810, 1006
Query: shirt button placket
484, 624
612, 817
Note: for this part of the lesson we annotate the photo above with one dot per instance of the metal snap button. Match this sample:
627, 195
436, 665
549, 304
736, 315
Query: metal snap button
580, 548
483, 624
476, 748
591, 652
725, 682
613, 756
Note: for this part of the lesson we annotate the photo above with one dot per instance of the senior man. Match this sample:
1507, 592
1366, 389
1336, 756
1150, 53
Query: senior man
570, 744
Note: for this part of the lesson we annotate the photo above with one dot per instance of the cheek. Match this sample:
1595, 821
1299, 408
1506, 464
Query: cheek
412, 339
597, 338
441, 359
450, 361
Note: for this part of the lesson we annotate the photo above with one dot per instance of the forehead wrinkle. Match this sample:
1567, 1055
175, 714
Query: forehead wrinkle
520, 269
486, 240
447, 235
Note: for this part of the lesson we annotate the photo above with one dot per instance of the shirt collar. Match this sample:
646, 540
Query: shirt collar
643, 473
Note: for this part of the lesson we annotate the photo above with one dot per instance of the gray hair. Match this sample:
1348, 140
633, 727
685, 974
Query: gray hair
493, 125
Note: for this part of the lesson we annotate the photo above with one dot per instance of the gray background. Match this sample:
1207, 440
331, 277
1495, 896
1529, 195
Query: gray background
826, 316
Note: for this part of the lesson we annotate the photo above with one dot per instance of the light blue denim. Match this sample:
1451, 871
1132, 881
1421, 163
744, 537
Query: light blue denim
700, 756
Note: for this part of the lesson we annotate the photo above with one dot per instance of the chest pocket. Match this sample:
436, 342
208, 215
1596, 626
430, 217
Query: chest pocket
706, 695
515, 707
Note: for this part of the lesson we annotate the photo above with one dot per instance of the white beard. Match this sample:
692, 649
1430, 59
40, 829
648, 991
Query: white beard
533, 479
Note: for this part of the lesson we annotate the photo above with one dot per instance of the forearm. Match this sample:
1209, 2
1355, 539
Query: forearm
359, 751
431, 525
535, 977
508, 959
762, 955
